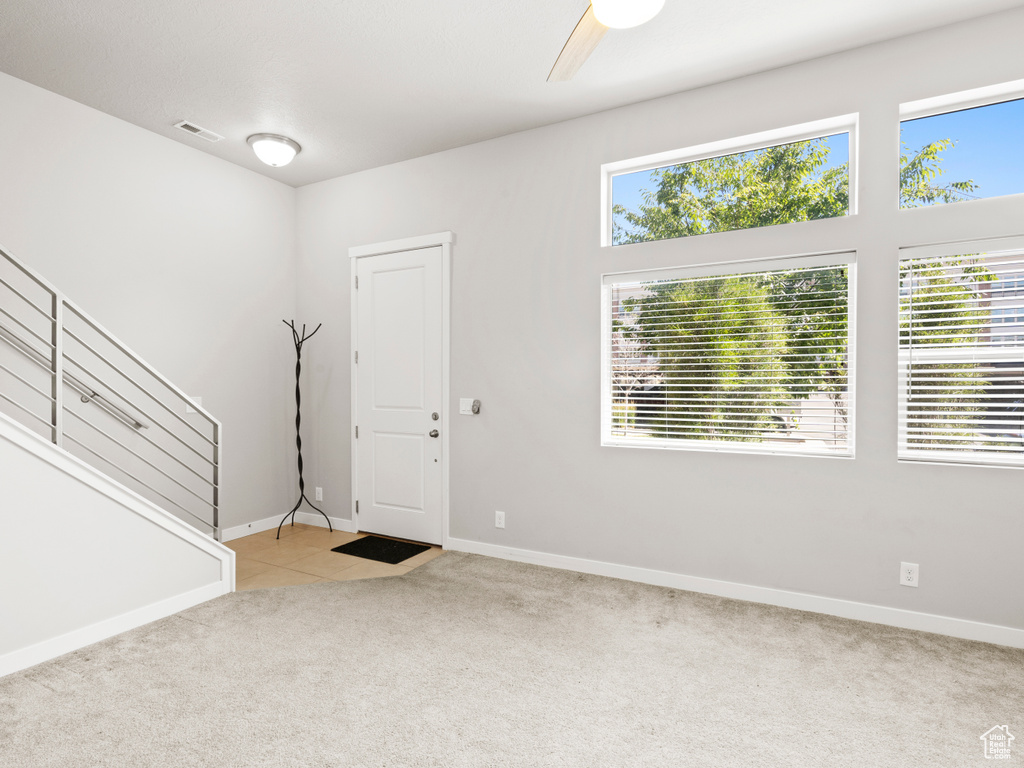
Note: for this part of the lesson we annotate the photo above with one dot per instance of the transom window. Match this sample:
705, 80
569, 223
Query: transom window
963, 146
749, 356
780, 177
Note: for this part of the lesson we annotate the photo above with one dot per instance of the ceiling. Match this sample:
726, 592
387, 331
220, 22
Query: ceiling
364, 84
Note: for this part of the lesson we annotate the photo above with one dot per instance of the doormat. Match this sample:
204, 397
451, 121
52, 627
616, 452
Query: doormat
381, 550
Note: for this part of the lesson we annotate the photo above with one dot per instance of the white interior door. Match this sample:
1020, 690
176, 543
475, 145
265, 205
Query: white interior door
399, 397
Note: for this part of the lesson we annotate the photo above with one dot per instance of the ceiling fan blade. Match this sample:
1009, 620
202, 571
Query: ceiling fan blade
578, 47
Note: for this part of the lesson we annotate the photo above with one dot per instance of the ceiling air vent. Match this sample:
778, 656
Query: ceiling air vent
195, 130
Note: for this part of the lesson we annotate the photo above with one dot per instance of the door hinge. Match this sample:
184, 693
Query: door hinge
357, 506
357, 282
357, 357
357, 433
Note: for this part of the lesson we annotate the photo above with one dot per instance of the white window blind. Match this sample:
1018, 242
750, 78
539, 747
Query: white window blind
961, 374
755, 360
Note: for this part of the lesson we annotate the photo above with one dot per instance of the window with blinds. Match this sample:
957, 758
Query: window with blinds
961, 356
720, 359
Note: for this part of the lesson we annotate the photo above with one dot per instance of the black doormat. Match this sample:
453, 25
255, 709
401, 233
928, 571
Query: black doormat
381, 550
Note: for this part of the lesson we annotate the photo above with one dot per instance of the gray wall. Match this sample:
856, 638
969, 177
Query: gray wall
525, 327
186, 258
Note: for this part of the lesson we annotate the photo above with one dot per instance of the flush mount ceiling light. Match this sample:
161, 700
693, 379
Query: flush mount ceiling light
273, 149
623, 14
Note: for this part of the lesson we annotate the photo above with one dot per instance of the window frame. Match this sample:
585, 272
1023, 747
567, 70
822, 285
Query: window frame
846, 258
816, 129
905, 455
959, 101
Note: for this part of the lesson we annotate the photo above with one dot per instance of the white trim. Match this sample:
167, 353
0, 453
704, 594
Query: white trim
271, 523
604, 370
445, 240
947, 458
954, 102
818, 259
446, 387
101, 630
753, 141
787, 135
910, 458
403, 244
986, 246
719, 446
353, 404
847, 609
607, 220
852, 352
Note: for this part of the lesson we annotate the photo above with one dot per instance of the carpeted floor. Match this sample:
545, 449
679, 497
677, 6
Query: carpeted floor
476, 662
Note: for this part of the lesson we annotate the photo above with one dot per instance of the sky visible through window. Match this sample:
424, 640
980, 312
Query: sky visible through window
988, 146
628, 188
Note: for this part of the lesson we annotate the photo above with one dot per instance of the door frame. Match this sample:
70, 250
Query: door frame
445, 240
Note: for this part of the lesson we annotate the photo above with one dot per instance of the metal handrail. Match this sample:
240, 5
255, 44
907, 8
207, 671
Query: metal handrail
54, 359
128, 378
88, 394
140, 409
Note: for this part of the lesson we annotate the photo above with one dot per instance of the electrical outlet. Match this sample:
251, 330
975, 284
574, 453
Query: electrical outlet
499, 519
908, 574
319, 493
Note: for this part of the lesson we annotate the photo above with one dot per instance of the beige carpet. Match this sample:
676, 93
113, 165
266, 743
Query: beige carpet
471, 661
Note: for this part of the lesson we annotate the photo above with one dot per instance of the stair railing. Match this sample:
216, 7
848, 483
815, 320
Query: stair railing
127, 420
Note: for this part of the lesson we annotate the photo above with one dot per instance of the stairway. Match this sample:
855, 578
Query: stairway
109, 481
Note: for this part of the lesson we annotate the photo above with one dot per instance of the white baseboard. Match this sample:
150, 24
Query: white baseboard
79, 638
847, 609
268, 523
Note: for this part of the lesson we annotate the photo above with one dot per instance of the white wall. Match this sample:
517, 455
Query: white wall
527, 261
186, 258
82, 559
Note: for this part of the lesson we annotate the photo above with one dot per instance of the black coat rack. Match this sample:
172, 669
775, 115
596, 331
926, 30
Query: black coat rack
299, 340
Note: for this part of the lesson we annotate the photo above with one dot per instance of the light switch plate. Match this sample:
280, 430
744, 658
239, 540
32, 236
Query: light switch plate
466, 406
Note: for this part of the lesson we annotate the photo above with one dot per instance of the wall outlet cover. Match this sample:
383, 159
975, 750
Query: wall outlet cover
909, 574
499, 519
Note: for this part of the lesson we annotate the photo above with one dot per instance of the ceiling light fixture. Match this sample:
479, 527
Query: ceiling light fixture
273, 149
623, 14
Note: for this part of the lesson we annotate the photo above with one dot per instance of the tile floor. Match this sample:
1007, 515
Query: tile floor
303, 556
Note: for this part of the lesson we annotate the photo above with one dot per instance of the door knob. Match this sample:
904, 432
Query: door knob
434, 433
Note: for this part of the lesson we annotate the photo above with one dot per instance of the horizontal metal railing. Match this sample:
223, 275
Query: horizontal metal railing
127, 420
87, 392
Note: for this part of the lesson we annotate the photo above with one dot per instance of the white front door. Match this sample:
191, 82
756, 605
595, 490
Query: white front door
399, 397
